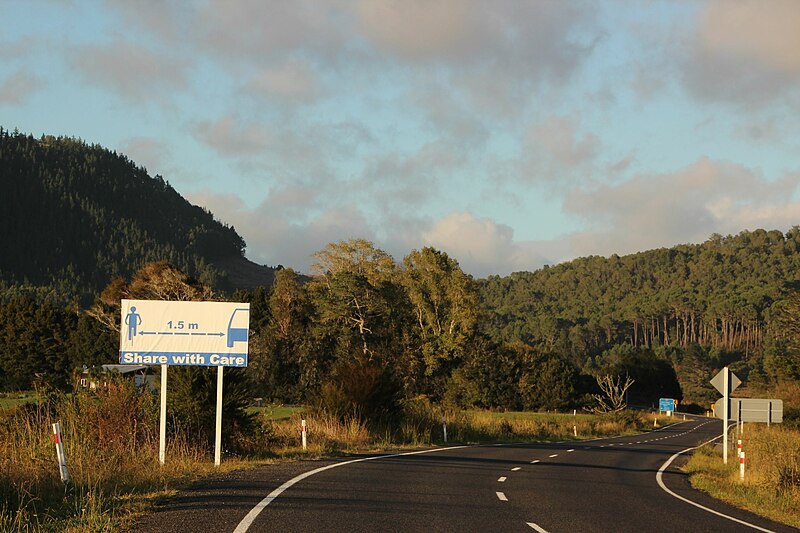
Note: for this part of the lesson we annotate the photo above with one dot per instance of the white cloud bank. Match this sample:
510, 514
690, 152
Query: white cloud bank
685, 206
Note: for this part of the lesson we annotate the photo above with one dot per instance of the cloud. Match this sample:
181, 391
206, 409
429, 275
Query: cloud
291, 224
417, 28
292, 80
481, 245
148, 152
258, 30
560, 141
557, 154
229, 137
745, 51
398, 181
18, 87
131, 71
278, 231
19, 49
651, 211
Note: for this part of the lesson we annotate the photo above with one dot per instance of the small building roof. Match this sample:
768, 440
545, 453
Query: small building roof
124, 369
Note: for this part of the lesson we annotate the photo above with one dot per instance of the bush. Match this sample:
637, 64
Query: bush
364, 391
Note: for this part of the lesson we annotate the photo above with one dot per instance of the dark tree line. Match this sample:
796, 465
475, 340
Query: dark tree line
366, 330
713, 301
76, 215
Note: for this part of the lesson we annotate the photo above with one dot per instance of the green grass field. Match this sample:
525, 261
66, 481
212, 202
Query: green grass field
13, 399
276, 412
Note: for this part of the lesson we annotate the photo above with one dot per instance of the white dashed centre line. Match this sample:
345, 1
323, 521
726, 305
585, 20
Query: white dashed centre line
534, 461
554, 455
570, 451
501, 497
516, 468
501, 479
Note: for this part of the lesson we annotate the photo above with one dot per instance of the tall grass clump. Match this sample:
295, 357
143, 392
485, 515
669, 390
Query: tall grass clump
111, 443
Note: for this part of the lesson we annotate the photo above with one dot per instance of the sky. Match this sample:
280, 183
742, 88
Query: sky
509, 134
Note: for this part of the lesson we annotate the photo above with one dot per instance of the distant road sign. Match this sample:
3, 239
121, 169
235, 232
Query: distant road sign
667, 404
752, 410
718, 380
156, 332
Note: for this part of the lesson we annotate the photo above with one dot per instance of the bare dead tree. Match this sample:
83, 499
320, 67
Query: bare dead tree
612, 399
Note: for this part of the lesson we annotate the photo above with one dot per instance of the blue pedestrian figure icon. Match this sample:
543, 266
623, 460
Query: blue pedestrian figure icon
133, 320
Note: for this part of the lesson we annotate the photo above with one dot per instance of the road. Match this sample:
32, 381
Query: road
599, 485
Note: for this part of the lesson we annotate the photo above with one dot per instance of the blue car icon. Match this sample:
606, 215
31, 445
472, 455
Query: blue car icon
238, 326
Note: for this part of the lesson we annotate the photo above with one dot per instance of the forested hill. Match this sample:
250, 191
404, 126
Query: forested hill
75, 215
720, 294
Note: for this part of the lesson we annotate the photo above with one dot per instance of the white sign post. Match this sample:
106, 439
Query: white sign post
725, 382
155, 332
218, 422
162, 424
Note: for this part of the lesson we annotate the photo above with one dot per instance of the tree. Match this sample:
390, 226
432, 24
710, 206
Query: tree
154, 281
192, 391
444, 304
357, 256
613, 390
280, 364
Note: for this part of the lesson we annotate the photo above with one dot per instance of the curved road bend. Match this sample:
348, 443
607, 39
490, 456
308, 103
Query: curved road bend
599, 485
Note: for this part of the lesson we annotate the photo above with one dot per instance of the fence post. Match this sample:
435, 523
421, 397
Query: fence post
62, 458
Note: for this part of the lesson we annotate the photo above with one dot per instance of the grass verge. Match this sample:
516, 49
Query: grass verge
771, 487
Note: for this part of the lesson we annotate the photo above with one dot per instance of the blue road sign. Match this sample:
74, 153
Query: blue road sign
666, 404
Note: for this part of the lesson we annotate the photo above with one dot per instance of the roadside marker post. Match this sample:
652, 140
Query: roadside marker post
62, 458
303, 432
741, 467
444, 429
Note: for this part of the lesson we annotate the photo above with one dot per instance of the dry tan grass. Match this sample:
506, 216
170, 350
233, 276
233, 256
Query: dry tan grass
111, 444
772, 473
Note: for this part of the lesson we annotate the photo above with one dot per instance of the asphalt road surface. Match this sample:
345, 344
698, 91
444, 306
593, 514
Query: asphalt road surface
608, 484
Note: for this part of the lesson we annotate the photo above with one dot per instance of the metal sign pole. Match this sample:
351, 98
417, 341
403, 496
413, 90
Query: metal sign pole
726, 385
218, 432
162, 425
769, 414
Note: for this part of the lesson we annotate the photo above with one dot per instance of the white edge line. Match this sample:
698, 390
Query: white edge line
247, 521
704, 508
538, 528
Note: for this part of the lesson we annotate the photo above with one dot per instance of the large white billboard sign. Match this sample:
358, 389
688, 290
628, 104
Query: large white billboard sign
184, 333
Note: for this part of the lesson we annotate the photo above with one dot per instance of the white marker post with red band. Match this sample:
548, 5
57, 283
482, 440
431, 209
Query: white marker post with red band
741, 467
62, 458
303, 431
